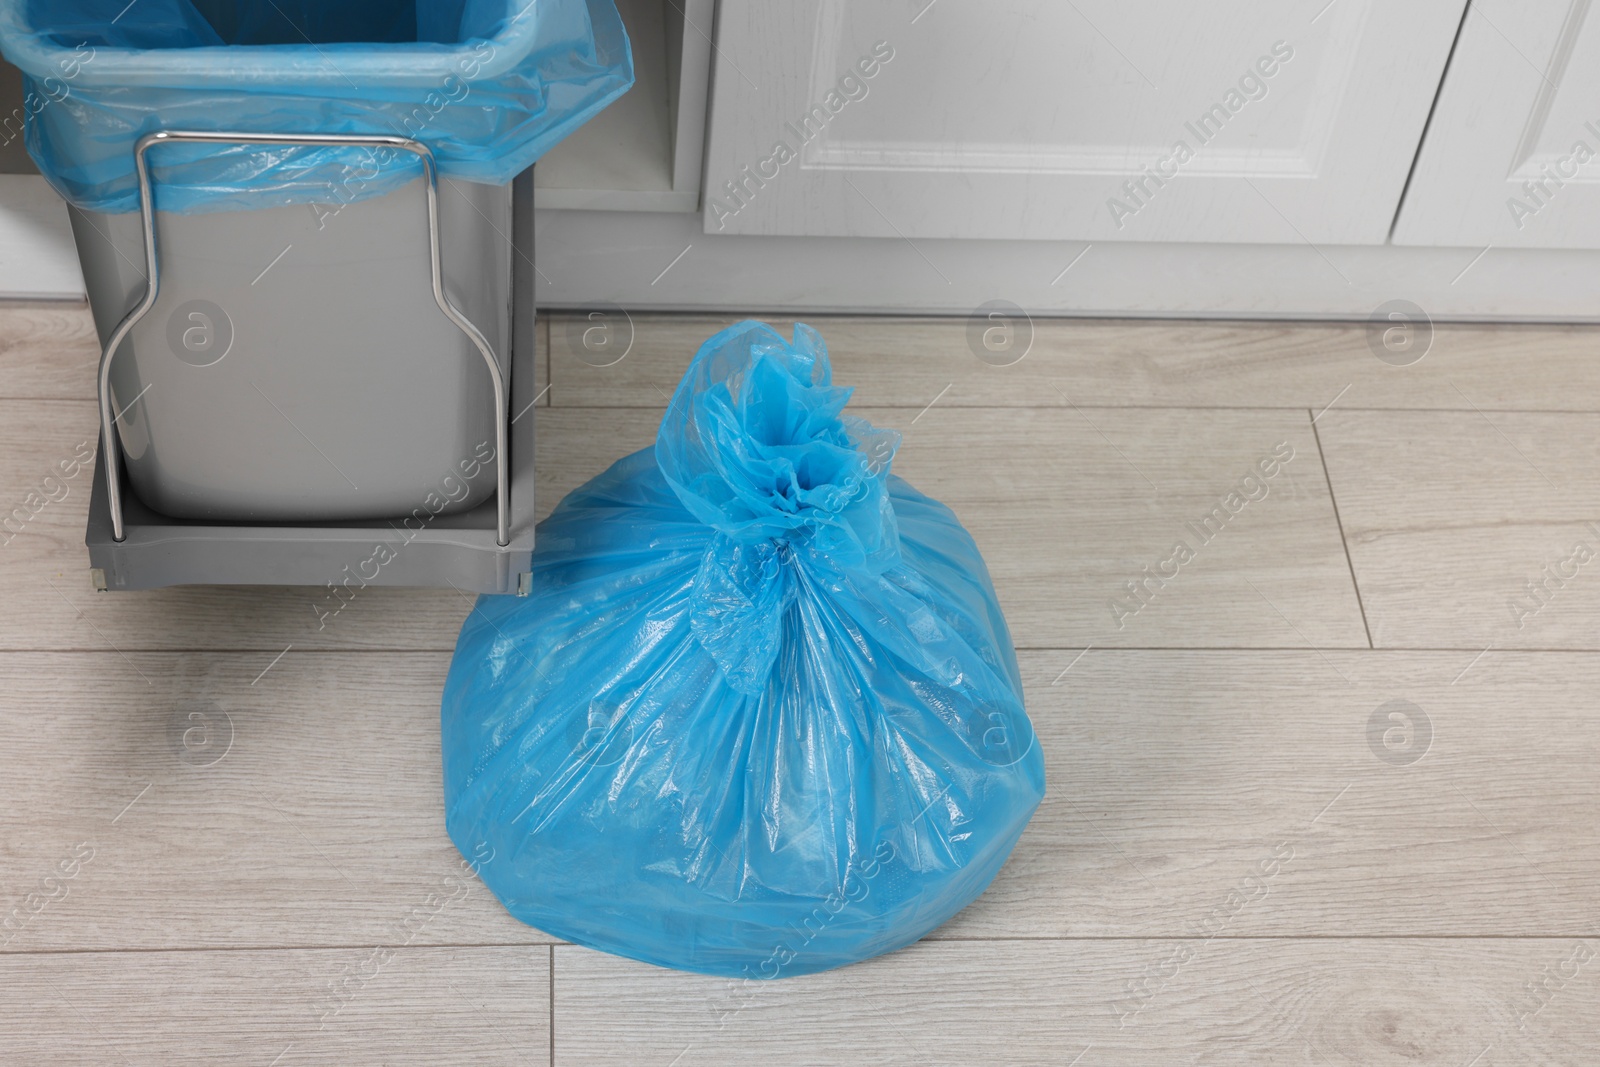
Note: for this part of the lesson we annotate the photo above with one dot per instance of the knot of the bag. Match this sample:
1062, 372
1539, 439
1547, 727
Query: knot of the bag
755, 444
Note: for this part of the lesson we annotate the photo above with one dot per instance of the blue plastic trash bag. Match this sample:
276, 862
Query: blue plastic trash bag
488, 85
760, 715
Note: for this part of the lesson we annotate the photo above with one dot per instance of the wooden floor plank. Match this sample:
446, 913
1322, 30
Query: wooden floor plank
1069, 509
47, 350
1272, 794
278, 1008
1100, 1004
897, 362
227, 800
1471, 529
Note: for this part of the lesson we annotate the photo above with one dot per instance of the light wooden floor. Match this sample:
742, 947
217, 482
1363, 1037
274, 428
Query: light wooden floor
1235, 863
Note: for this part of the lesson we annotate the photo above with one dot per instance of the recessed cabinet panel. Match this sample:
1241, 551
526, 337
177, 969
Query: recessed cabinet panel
1512, 156
1233, 120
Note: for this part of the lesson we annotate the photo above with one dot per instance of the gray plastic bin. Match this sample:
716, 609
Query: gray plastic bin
440, 397
295, 366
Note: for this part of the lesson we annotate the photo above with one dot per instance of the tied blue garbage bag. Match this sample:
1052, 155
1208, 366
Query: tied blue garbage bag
760, 715
488, 85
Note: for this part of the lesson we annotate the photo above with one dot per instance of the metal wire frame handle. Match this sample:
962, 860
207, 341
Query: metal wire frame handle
108, 428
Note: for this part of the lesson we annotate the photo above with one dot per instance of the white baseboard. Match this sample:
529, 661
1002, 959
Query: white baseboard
589, 257
38, 260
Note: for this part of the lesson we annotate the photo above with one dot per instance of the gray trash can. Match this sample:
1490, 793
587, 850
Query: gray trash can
318, 396
312, 370
295, 365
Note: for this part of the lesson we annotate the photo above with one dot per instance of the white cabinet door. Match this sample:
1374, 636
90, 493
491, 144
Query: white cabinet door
1140, 120
1507, 157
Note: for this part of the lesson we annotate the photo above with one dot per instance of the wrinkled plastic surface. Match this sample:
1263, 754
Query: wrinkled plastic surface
760, 715
488, 85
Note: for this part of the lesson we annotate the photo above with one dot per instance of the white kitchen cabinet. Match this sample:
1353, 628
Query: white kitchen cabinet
1512, 154
1104, 120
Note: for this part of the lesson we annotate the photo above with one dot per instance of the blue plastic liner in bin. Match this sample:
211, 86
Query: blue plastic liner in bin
760, 714
488, 85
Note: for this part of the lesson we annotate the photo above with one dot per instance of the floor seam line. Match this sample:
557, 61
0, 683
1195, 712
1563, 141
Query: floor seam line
1344, 542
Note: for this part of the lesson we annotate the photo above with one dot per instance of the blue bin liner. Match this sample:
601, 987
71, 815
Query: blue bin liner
760, 714
488, 85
